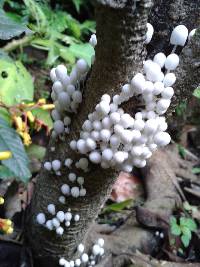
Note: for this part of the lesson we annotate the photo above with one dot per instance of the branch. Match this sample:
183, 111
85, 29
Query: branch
16, 43
119, 54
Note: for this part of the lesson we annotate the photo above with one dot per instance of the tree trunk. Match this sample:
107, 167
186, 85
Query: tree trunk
121, 27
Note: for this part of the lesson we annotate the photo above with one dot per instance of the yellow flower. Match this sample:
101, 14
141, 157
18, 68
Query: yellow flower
5, 155
30, 116
19, 123
9, 231
6, 226
42, 101
48, 106
26, 139
1, 200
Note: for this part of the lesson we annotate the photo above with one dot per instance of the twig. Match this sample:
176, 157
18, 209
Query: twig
17, 43
192, 191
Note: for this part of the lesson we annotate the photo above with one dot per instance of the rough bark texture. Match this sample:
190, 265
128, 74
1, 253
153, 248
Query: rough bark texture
188, 79
121, 27
164, 16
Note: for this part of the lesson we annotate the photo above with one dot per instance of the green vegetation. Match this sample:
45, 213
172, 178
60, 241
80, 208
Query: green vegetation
57, 37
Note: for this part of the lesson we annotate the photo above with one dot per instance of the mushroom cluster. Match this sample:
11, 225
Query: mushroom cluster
110, 136
57, 220
86, 260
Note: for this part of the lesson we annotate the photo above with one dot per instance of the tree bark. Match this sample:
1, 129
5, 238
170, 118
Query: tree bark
121, 27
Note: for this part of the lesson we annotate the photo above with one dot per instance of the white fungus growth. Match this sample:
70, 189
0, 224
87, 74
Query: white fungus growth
115, 139
160, 58
47, 165
91, 258
80, 248
93, 40
191, 34
109, 136
75, 191
59, 230
72, 177
62, 199
149, 33
41, 218
56, 165
58, 126
179, 35
51, 209
60, 216
65, 189
172, 62
76, 217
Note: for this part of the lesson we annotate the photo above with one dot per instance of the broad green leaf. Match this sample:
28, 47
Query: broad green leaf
37, 13
66, 55
5, 56
10, 28
196, 170
41, 43
10, 140
185, 240
15, 83
196, 92
175, 228
36, 151
186, 231
53, 54
4, 114
43, 115
85, 51
5, 173
118, 206
189, 223
88, 26
173, 220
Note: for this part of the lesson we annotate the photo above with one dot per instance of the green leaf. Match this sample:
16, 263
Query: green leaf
196, 170
5, 173
15, 83
186, 231
118, 206
180, 251
185, 240
9, 28
66, 55
85, 51
36, 151
189, 223
196, 92
88, 26
175, 228
10, 140
77, 4
53, 54
181, 151
43, 115
4, 114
